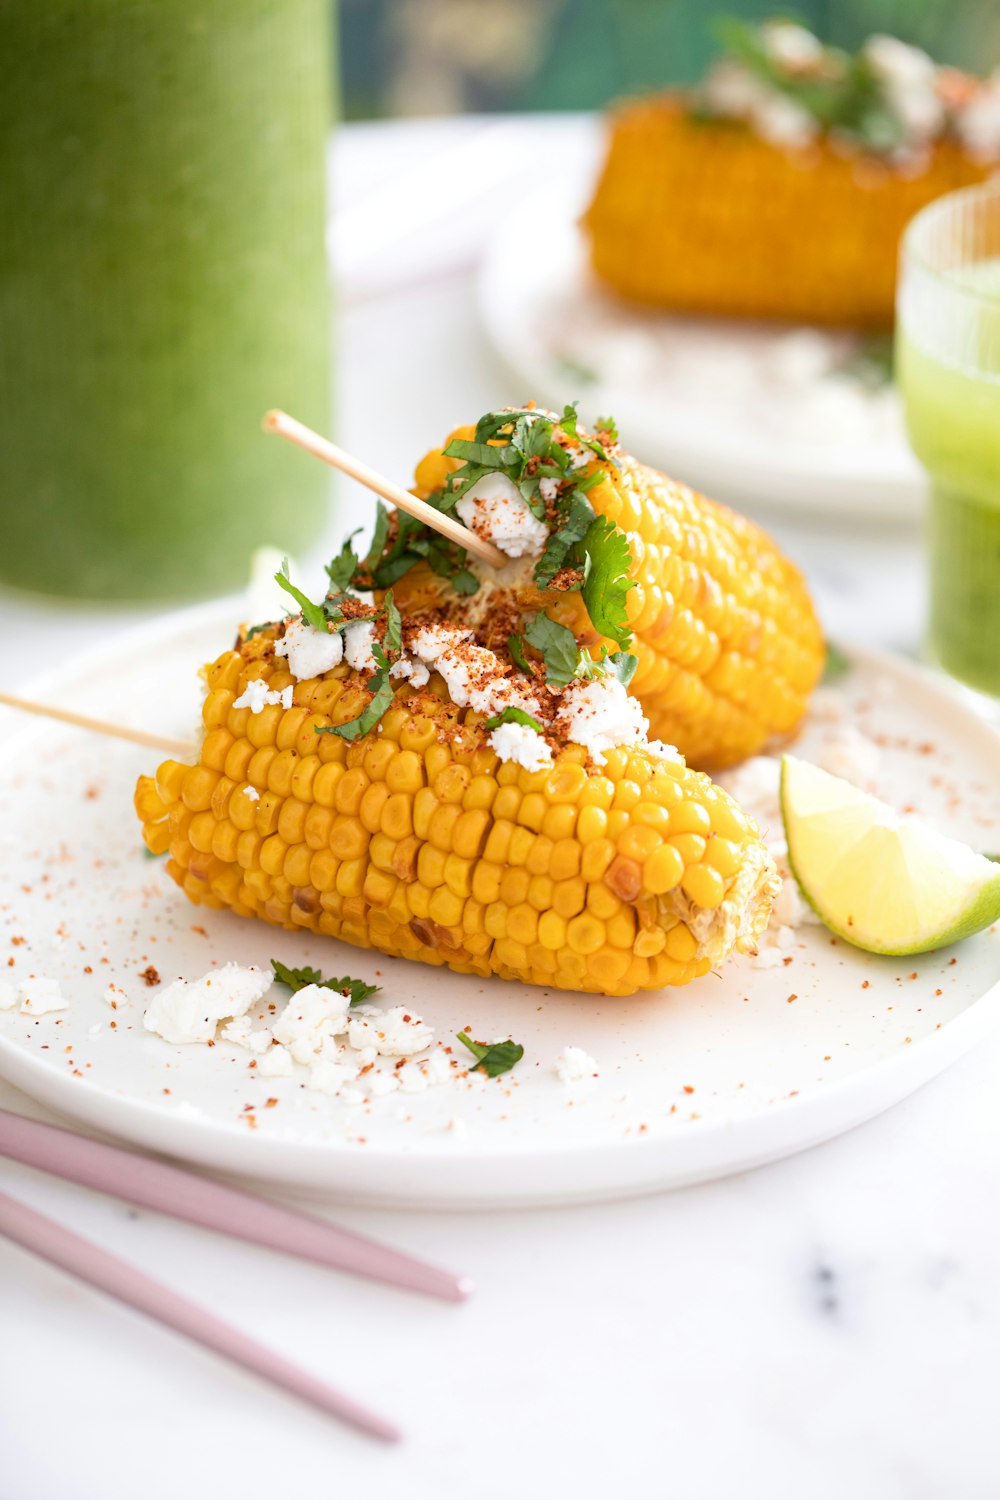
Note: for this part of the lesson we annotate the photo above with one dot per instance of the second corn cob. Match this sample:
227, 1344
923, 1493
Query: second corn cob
727, 642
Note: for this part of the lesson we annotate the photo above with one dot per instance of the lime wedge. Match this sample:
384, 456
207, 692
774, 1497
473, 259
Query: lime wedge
884, 882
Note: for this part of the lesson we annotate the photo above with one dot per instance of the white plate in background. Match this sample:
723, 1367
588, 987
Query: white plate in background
743, 411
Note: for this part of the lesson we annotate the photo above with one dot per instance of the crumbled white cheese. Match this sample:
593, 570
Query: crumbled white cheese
380, 1084
790, 45
417, 672
573, 1065
979, 121
257, 696
358, 637
251, 793
330, 1077
38, 996
495, 509
312, 1019
783, 122
579, 458
662, 751
398, 1032
473, 675
548, 487
237, 1032
116, 997
190, 1010
8, 995
601, 716
852, 756
241, 1033
521, 743
310, 652
909, 82
275, 1063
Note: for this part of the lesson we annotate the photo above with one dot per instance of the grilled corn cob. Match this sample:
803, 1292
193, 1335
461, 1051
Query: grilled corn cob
413, 839
727, 641
705, 216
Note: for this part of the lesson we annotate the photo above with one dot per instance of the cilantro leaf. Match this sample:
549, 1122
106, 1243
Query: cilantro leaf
558, 648
381, 689
512, 715
297, 979
836, 663
606, 581
379, 537
573, 527
515, 646
314, 613
622, 666
393, 626
256, 629
497, 1058
618, 665
343, 567
608, 425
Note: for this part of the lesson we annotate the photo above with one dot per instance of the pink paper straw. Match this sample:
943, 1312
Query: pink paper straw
184, 1195
118, 1279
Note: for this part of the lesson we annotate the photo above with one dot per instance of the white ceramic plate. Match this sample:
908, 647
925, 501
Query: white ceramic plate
693, 1083
748, 412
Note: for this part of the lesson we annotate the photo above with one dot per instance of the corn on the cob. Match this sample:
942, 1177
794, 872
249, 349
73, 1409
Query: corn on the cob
704, 216
414, 841
727, 640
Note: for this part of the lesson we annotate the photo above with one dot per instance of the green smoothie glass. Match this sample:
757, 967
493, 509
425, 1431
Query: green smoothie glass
163, 283
948, 366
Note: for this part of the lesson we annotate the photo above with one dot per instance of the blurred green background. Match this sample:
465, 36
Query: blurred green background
431, 57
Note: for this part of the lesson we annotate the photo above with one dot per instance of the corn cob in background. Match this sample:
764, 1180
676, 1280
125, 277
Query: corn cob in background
400, 786
726, 640
781, 187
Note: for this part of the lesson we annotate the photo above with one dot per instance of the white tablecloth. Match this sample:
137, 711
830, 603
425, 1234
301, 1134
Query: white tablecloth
821, 1328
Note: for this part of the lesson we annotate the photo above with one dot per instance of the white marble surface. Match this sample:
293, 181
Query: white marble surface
822, 1328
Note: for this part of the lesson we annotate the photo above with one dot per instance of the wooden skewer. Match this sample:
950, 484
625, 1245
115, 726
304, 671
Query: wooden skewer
320, 447
99, 726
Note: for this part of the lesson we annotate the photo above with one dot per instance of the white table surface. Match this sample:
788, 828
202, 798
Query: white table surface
822, 1328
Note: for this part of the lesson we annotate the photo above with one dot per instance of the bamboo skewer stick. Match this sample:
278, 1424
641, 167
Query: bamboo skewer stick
320, 447
98, 726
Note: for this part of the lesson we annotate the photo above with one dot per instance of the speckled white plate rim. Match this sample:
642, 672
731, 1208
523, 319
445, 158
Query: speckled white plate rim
638, 1163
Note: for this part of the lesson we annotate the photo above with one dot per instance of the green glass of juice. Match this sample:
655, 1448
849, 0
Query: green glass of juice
948, 367
163, 282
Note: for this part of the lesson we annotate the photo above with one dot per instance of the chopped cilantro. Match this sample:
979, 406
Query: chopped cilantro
314, 613
842, 92
379, 538
256, 629
343, 567
575, 522
393, 625
297, 979
608, 425
515, 646
622, 666
512, 715
606, 581
558, 648
414, 543
380, 683
618, 664
836, 663
495, 1058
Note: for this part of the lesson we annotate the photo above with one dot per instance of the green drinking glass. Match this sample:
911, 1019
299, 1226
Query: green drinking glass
163, 281
948, 367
